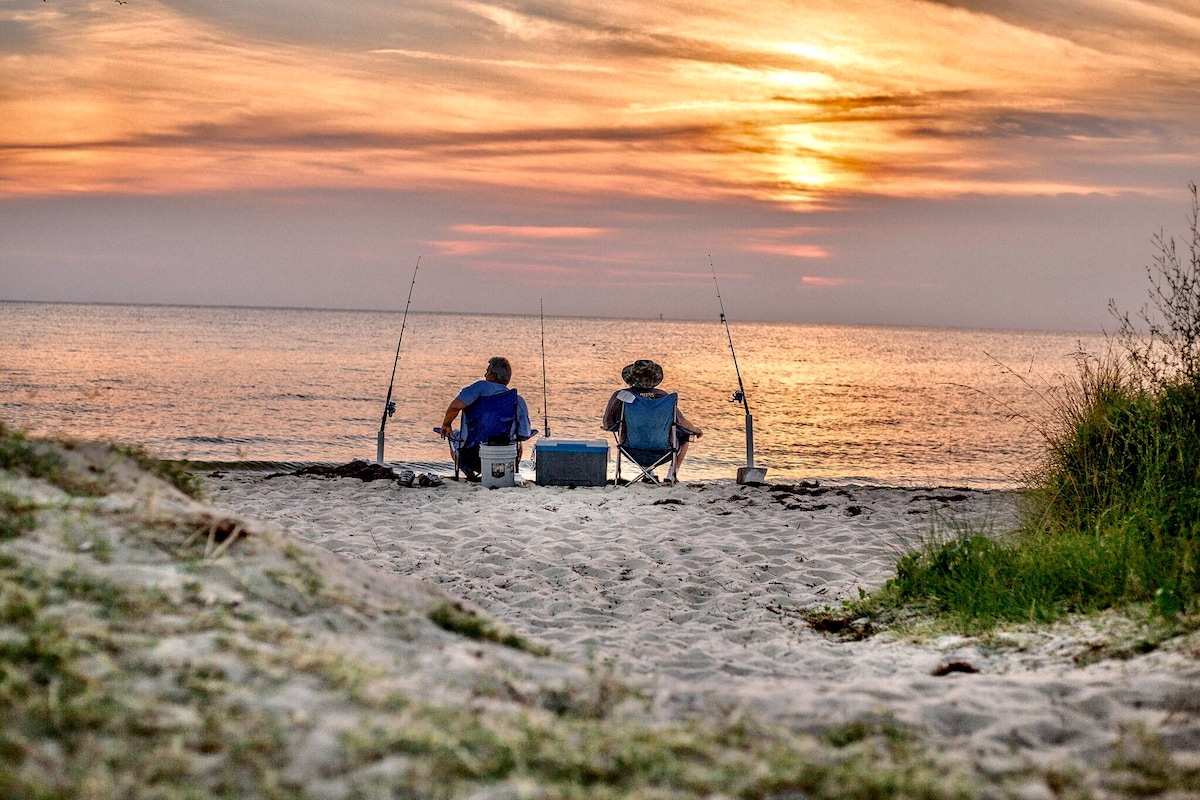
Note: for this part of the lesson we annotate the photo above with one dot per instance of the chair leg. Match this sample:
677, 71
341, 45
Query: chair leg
643, 472
648, 474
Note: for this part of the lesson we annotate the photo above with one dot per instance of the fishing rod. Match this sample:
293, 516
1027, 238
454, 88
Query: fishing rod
740, 395
748, 473
389, 408
545, 401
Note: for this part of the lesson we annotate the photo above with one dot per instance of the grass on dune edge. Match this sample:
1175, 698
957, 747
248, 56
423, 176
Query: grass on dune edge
1111, 518
219, 677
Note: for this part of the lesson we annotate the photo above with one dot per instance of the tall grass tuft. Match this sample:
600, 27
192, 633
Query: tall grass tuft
1111, 517
1122, 480
1122, 468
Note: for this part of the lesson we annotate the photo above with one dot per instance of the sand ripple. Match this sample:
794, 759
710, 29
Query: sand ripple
697, 588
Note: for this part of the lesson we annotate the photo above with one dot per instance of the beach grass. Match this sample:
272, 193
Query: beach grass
177, 473
19, 454
1111, 516
456, 618
37, 460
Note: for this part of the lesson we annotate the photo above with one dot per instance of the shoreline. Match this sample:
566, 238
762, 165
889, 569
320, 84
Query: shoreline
445, 469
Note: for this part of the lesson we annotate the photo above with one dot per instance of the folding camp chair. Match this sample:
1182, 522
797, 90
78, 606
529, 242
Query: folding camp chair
489, 420
646, 436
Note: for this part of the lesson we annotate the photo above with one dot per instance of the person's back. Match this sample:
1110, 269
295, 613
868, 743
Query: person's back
642, 378
465, 446
491, 419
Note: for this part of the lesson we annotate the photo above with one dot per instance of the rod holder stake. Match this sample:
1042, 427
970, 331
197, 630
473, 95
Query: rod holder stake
750, 474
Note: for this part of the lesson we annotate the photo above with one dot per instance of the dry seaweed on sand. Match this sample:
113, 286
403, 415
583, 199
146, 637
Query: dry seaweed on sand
364, 471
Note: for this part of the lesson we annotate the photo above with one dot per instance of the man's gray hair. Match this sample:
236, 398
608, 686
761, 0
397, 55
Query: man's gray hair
500, 367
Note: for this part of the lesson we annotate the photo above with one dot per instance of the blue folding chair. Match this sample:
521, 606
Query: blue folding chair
646, 436
489, 420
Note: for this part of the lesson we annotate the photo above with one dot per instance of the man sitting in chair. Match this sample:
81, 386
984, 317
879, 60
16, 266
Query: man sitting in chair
643, 377
495, 382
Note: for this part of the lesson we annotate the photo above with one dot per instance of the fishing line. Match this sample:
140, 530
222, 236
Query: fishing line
389, 408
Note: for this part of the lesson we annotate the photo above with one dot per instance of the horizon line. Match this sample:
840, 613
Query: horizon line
718, 319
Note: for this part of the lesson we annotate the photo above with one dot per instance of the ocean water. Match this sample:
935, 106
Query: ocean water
285, 387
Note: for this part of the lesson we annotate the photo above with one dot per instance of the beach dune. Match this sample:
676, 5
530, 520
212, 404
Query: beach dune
331, 638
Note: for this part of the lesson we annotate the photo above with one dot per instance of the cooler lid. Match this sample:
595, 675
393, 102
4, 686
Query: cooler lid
573, 445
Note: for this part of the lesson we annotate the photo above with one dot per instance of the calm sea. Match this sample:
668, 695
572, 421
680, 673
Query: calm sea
281, 387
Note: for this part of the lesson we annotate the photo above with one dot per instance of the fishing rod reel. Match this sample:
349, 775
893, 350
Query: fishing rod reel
390, 408
738, 397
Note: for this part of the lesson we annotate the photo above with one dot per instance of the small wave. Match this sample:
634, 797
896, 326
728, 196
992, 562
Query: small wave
223, 439
247, 465
293, 466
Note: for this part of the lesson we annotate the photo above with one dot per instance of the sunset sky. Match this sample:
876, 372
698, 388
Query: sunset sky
984, 163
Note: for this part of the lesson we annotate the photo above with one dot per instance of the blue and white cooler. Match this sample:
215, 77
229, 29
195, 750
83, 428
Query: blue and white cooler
571, 462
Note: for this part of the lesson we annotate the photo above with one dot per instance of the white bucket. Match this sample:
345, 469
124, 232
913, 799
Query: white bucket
498, 465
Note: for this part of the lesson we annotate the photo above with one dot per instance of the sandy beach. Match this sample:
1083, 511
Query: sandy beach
332, 638
694, 591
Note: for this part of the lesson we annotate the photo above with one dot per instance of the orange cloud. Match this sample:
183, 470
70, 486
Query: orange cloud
821, 281
793, 250
450, 247
531, 231
761, 99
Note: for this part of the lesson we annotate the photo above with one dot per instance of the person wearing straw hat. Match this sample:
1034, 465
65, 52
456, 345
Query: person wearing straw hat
643, 377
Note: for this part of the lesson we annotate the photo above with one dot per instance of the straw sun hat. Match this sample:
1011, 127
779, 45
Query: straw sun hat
642, 374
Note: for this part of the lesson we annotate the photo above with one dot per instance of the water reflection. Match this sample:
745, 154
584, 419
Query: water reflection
897, 405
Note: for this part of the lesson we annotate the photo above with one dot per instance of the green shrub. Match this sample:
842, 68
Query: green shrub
1112, 515
1123, 456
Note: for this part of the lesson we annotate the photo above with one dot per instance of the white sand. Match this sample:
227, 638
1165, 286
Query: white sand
695, 589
